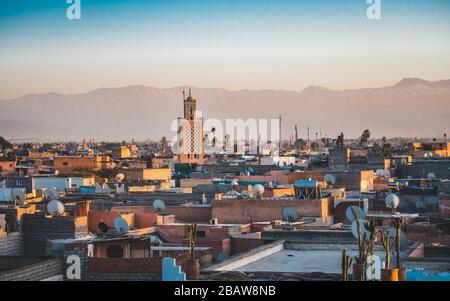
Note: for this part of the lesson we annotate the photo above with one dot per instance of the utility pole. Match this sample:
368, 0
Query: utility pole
308, 133
279, 138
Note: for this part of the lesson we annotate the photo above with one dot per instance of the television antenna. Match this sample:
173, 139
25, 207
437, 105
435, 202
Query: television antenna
119, 177
159, 206
392, 201
102, 226
359, 213
290, 215
51, 194
259, 190
121, 225
330, 179
364, 233
403, 237
55, 208
18, 196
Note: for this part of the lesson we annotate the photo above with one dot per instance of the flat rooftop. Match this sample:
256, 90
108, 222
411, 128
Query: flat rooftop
307, 261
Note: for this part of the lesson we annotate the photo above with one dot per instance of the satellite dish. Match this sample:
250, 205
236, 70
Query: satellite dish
258, 189
119, 177
102, 227
380, 173
420, 205
244, 194
56, 172
121, 225
234, 183
18, 196
392, 201
286, 171
403, 237
330, 179
359, 213
290, 214
364, 233
55, 207
431, 176
159, 206
51, 194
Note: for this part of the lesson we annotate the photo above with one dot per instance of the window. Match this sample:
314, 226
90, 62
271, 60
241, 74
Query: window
114, 251
201, 234
65, 163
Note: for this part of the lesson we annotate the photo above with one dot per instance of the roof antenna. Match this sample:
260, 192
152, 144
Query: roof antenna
184, 95
189, 92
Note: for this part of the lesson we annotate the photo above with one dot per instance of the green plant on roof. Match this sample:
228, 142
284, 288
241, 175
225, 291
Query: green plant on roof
398, 226
386, 239
190, 232
346, 264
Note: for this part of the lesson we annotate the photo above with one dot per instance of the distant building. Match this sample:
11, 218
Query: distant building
190, 133
7, 167
121, 152
435, 149
147, 174
65, 164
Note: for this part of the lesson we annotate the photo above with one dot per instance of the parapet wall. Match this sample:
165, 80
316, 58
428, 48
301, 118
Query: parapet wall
11, 244
35, 272
38, 229
246, 211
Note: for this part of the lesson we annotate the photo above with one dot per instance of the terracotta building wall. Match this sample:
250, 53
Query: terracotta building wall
190, 214
245, 211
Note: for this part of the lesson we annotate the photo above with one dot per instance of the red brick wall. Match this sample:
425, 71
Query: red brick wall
190, 214
339, 211
129, 265
245, 211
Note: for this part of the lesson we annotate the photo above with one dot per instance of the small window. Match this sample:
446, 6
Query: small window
201, 234
65, 163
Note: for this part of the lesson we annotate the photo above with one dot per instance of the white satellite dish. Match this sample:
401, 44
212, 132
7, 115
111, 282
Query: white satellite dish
18, 196
431, 176
55, 207
330, 179
290, 214
392, 201
403, 237
159, 206
56, 173
420, 205
119, 177
258, 190
359, 213
51, 194
121, 225
244, 194
364, 233
234, 183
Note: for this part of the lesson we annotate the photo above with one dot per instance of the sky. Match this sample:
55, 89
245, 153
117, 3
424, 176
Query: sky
253, 44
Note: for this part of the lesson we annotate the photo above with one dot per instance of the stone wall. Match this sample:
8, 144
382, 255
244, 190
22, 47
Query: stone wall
34, 272
92, 276
246, 211
38, 229
11, 244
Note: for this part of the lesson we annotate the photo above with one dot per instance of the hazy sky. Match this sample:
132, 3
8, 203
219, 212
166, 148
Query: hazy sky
231, 44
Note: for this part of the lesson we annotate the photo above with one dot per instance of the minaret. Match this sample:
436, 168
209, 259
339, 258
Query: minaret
190, 132
190, 104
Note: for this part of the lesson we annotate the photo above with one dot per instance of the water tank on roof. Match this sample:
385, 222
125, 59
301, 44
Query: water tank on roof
306, 184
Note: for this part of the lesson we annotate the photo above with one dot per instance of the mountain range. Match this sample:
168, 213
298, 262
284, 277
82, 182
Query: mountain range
411, 108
